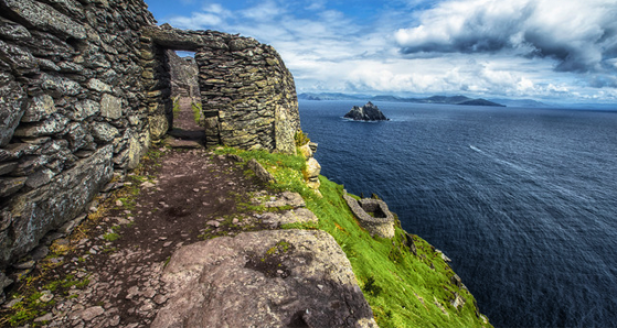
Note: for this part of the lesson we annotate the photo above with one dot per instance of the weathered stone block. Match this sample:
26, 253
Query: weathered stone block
45, 17
13, 31
111, 107
9, 186
41, 210
159, 125
99, 86
54, 124
84, 109
11, 110
18, 58
104, 132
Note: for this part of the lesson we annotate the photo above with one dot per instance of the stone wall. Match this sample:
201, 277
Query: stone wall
381, 223
85, 87
248, 96
71, 110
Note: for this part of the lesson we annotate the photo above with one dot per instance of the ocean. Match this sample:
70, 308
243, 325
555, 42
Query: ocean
524, 201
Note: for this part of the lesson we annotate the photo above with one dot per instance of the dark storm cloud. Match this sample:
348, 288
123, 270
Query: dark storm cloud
580, 35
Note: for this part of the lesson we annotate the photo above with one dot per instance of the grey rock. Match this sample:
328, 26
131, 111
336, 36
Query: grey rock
11, 110
91, 313
18, 58
13, 302
13, 31
47, 65
104, 132
49, 207
368, 112
39, 108
40, 178
224, 282
60, 86
6, 168
55, 124
45, 17
111, 107
14, 151
299, 215
84, 109
9, 186
98, 85
261, 173
45, 318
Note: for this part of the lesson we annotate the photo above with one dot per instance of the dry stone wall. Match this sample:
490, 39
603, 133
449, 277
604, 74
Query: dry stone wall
248, 96
71, 110
85, 87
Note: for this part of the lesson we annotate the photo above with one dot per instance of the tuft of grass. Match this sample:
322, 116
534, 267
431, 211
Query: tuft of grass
176, 107
196, 107
301, 138
111, 236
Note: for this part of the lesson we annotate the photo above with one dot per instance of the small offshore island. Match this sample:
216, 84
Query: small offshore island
368, 112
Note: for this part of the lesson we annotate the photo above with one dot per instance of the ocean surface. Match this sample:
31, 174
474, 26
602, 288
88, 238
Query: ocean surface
524, 201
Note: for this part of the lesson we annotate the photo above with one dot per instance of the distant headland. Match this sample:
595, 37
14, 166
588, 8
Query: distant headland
455, 100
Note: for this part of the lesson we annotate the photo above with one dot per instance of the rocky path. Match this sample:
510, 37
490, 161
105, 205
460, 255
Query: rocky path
110, 272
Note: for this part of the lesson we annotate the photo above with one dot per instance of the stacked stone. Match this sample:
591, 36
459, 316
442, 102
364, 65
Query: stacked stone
382, 224
70, 110
248, 95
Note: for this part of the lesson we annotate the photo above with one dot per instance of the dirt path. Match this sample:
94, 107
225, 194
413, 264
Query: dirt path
109, 277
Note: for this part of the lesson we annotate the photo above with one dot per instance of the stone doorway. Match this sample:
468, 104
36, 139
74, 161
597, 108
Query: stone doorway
186, 127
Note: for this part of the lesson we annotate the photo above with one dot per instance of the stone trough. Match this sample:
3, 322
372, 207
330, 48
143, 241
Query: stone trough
380, 223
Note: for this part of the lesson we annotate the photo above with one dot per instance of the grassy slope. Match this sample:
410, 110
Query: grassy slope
402, 288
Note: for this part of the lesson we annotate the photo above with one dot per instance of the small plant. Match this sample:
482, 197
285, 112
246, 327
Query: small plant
111, 236
301, 138
196, 107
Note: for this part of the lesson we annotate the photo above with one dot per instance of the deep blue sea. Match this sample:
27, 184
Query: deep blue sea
524, 201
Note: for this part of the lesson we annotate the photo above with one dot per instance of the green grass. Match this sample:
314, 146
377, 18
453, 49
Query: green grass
401, 287
176, 107
196, 107
32, 307
111, 236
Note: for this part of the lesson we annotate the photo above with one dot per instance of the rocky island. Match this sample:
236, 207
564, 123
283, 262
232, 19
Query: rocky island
368, 112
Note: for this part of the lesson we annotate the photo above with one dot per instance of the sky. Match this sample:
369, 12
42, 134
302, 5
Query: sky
547, 50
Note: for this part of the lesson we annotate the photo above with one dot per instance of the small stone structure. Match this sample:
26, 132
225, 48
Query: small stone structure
382, 221
248, 96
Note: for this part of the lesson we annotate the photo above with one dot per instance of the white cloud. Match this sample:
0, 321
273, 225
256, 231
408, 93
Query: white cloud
580, 34
265, 11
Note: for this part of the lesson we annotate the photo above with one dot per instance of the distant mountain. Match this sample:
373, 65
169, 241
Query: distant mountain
331, 96
456, 100
523, 103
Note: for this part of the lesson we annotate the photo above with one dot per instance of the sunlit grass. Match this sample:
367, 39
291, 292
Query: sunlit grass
402, 288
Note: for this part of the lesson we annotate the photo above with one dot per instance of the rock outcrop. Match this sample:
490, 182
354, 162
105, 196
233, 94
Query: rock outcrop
368, 112
288, 278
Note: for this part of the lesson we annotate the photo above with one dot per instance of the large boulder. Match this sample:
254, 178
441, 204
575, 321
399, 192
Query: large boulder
284, 278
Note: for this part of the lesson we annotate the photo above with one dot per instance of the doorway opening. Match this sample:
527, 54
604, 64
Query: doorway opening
185, 96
